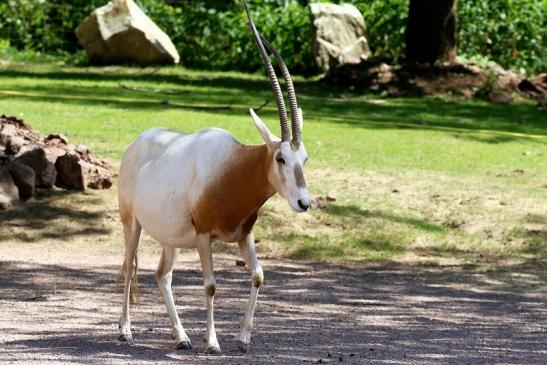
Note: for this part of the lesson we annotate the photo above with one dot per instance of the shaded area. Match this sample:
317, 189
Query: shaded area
363, 235
54, 214
353, 211
379, 314
350, 233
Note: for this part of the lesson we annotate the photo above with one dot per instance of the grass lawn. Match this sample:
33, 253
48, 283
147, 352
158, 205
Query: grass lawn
430, 180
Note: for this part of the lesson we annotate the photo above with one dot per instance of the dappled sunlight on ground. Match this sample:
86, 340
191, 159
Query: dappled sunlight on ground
413, 217
397, 314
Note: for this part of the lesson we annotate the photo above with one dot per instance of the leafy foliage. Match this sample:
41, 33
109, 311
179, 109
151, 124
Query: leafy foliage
213, 34
511, 32
46, 26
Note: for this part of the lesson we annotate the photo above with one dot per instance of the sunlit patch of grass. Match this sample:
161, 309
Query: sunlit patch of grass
374, 247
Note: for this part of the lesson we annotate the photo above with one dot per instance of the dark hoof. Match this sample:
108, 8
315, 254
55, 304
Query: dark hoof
125, 338
212, 350
243, 347
184, 345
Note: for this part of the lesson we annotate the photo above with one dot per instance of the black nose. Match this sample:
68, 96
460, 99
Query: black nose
303, 206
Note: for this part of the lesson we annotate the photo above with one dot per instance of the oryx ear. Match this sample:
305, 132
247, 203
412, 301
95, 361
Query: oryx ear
300, 119
267, 136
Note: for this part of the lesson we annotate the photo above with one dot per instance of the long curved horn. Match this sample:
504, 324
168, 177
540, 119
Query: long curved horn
296, 132
282, 110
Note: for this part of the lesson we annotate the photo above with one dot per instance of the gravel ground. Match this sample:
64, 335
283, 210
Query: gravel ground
57, 313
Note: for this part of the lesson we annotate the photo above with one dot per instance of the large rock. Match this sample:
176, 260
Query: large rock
70, 172
120, 32
37, 160
74, 172
24, 178
338, 35
9, 194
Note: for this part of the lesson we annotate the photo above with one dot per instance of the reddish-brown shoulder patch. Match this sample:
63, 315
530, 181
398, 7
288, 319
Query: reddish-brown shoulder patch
233, 198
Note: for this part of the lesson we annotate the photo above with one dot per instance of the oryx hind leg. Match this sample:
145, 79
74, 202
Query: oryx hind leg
209, 285
132, 231
164, 278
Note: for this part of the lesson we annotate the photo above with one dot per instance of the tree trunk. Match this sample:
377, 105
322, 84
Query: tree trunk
431, 31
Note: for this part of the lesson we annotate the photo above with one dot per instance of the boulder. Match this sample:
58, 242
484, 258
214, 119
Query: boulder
338, 35
120, 32
75, 173
44, 169
24, 178
9, 194
70, 172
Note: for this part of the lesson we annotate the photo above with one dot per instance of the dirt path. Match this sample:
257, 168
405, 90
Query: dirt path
307, 313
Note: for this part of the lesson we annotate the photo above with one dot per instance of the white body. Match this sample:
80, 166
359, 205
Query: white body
165, 175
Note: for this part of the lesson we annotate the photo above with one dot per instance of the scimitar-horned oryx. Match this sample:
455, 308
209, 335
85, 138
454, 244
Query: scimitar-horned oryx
187, 190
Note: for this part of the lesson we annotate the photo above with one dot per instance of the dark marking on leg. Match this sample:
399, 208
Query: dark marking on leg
210, 290
258, 279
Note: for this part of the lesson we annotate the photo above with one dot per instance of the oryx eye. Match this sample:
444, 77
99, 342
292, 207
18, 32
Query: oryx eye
280, 159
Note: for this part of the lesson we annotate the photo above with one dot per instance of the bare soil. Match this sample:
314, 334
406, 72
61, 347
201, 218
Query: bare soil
461, 79
62, 307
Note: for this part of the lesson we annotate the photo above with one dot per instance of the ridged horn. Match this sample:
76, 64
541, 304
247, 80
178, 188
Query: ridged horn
281, 109
296, 132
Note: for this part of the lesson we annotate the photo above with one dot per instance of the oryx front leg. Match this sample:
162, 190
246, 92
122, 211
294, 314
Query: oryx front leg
206, 257
132, 232
247, 247
164, 277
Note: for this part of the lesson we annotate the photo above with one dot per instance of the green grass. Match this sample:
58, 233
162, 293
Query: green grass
414, 175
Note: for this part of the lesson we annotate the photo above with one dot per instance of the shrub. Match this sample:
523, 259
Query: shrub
46, 26
386, 24
510, 32
213, 34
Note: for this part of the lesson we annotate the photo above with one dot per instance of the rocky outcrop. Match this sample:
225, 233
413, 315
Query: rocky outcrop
120, 32
28, 161
338, 35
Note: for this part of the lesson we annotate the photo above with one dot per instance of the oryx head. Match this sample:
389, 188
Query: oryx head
286, 171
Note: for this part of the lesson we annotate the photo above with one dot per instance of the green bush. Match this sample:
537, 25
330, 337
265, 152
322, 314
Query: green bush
386, 24
45, 26
213, 34
217, 36
510, 32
